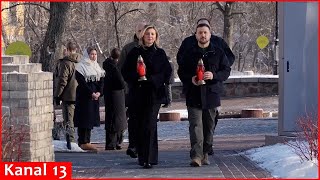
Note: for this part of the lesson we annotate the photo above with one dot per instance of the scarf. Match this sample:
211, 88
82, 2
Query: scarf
89, 69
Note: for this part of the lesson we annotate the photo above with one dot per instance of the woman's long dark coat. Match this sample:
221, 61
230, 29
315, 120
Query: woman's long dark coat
86, 113
114, 98
145, 96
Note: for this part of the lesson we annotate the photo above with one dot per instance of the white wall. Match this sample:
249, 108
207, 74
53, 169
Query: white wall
298, 85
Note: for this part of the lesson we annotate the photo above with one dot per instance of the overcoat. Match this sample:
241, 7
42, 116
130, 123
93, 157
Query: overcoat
86, 113
145, 97
114, 97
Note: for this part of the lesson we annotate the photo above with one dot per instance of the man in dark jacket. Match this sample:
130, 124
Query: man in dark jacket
202, 100
216, 41
128, 47
131, 151
66, 85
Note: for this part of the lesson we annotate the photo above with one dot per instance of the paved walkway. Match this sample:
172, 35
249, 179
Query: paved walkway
227, 162
232, 138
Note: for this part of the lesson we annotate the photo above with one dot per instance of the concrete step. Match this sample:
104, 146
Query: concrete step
17, 59
22, 68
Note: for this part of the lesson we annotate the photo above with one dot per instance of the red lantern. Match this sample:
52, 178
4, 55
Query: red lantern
200, 72
141, 69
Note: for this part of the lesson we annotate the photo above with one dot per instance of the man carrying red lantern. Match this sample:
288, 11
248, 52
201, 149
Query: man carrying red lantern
202, 71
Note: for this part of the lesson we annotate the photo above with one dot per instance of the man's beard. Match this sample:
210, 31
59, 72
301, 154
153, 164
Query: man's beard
203, 41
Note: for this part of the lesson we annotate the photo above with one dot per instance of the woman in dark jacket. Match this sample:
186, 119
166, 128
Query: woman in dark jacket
114, 99
145, 96
90, 82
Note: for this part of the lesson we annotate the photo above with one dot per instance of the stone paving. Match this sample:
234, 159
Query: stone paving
227, 162
231, 139
233, 136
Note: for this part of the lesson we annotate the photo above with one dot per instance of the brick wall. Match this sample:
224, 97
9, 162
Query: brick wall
28, 94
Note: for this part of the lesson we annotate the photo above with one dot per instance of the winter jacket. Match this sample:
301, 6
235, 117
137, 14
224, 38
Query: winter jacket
126, 49
66, 83
216, 41
204, 96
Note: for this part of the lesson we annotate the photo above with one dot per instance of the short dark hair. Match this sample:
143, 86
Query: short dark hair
203, 25
203, 19
115, 53
89, 49
71, 46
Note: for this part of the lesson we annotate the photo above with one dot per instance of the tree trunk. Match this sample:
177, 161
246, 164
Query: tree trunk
116, 11
153, 13
255, 55
55, 30
240, 59
5, 37
228, 24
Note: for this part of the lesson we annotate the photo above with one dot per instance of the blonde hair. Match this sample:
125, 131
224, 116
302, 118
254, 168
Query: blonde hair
146, 27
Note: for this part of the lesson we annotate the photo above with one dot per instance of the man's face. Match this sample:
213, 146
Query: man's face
65, 52
203, 34
138, 33
139, 28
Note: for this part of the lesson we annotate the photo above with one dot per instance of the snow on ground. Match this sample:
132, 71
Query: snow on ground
61, 146
281, 161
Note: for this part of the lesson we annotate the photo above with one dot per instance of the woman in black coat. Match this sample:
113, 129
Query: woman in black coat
145, 96
114, 99
90, 82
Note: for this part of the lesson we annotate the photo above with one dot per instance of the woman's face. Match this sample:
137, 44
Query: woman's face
149, 37
93, 55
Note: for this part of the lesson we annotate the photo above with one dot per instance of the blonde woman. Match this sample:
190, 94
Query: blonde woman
145, 96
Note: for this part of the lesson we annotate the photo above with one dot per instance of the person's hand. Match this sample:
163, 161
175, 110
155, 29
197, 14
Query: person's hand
207, 75
194, 81
95, 96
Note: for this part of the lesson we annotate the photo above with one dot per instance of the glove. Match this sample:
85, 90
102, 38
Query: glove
57, 101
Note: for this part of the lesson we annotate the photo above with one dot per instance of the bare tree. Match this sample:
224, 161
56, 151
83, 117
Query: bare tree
111, 24
117, 18
228, 15
55, 30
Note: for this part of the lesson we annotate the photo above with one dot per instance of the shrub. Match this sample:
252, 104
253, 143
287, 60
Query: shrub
13, 137
306, 145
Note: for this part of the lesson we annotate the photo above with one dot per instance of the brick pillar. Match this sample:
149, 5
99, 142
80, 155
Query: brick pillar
28, 92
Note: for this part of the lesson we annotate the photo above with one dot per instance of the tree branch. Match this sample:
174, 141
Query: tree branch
33, 29
18, 4
75, 40
132, 10
236, 13
220, 7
